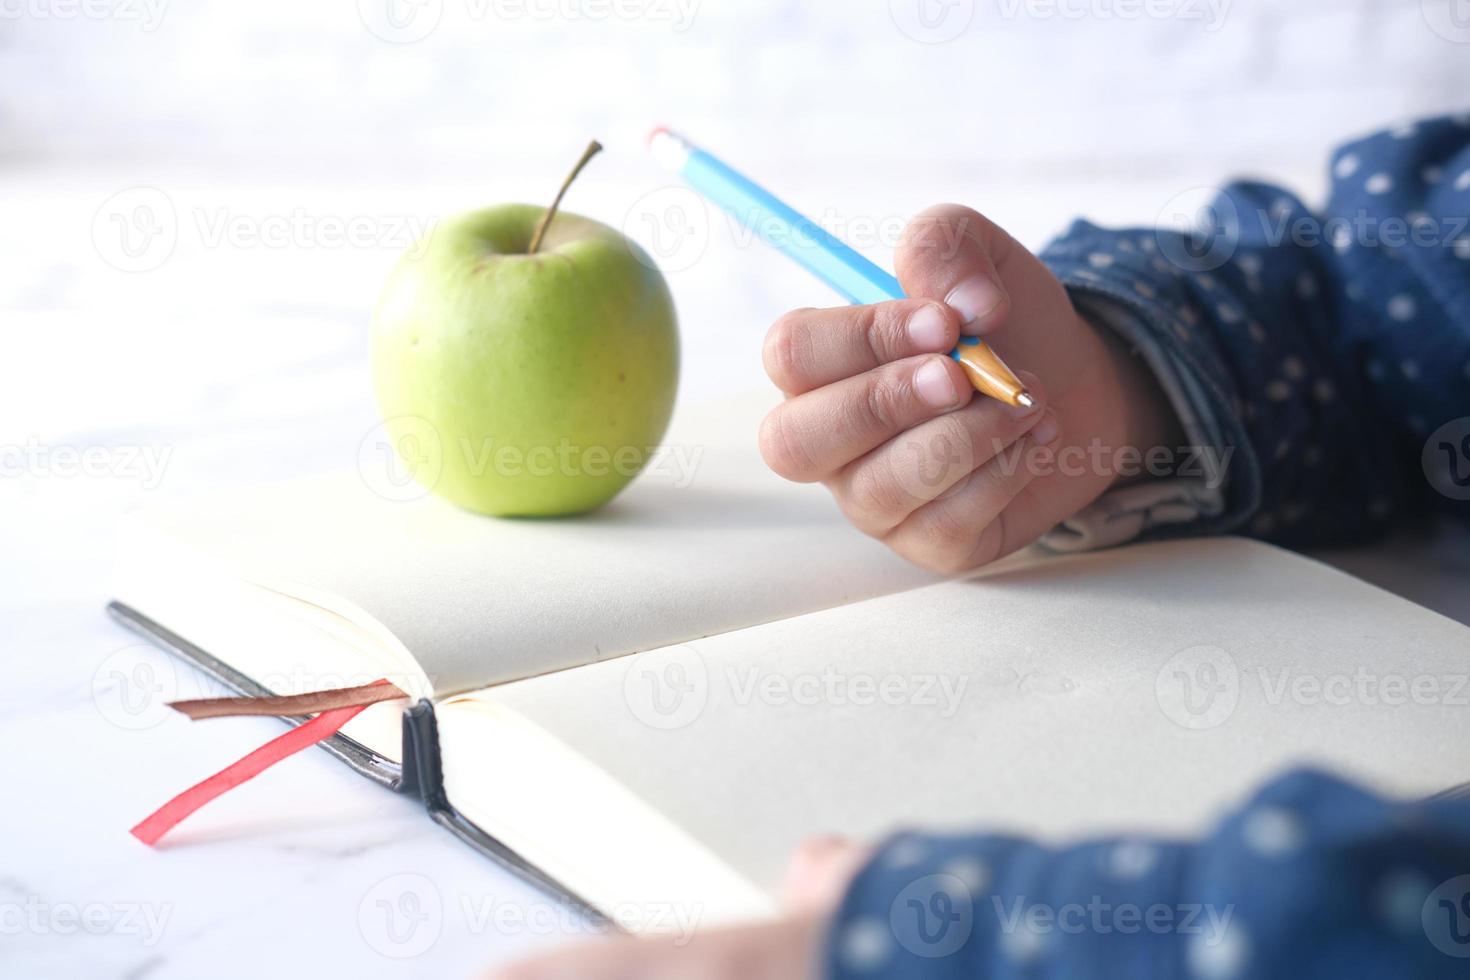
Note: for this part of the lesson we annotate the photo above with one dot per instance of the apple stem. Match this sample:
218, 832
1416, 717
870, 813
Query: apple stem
593, 148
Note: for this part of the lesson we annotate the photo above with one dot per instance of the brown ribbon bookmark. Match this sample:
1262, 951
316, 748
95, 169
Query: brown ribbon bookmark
311, 703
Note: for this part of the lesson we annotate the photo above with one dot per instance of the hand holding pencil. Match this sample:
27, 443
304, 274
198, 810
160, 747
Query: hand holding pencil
877, 412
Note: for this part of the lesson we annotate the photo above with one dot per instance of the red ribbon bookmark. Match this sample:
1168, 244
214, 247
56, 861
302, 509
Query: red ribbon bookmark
324, 725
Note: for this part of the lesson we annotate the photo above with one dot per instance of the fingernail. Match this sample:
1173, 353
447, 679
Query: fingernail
929, 328
1045, 431
973, 300
1026, 411
935, 384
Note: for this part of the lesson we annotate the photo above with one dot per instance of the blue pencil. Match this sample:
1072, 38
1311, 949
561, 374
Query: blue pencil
818, 251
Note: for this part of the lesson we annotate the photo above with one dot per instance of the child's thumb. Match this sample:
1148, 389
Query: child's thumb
951, 253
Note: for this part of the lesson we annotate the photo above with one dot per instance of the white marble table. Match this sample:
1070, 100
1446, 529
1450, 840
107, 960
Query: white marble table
232, 365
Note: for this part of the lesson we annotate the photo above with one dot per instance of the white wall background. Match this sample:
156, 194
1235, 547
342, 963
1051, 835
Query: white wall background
486, 86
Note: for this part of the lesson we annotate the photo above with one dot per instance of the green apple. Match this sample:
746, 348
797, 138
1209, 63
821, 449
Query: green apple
525, 381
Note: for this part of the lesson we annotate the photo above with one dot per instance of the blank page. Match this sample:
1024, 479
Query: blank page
709, 540
1138, 689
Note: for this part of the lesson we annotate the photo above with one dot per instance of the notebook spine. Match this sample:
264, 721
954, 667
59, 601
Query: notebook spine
423, 775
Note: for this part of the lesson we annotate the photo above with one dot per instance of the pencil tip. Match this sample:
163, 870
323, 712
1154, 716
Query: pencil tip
1025, 400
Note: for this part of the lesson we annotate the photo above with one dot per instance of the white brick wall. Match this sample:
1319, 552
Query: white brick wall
303, 85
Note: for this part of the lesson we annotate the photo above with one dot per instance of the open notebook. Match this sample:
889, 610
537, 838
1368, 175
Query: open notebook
651, 705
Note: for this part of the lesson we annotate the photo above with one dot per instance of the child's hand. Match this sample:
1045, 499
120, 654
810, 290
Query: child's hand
877, 412
788, 949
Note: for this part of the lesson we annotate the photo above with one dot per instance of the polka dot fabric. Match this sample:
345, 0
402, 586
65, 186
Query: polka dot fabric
1313, 878
1319, 350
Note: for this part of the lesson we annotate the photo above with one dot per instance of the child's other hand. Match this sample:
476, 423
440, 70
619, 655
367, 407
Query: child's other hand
877, 412
787, 949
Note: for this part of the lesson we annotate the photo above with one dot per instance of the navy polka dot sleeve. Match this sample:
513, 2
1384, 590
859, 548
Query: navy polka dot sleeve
1323, 357
1311, 878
